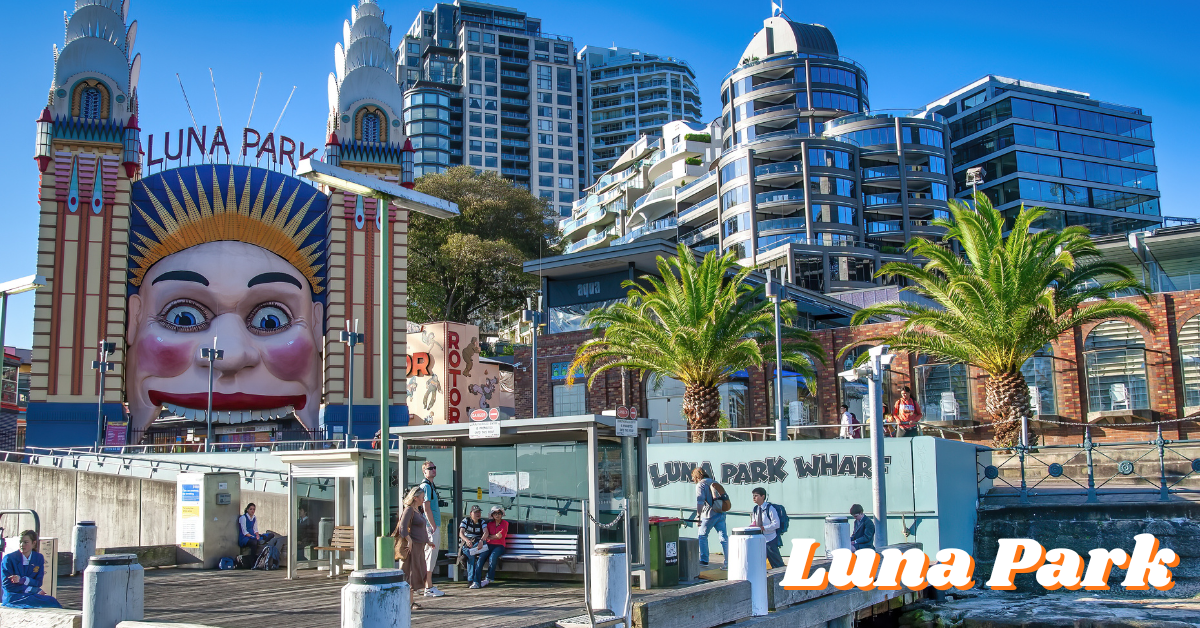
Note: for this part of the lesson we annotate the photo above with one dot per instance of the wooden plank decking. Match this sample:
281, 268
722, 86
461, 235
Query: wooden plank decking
240, 598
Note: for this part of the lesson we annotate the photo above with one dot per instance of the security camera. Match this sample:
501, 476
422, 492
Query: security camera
850, 376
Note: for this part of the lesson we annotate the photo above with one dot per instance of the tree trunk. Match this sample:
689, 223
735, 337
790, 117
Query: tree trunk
702, 409
1007, 399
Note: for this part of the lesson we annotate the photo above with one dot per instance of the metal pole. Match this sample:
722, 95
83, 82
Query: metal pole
3, 322
533, 361
212, 355
878, 491
100, 402
383, 556
780, 429
1164, 492
350, 401
1087, 444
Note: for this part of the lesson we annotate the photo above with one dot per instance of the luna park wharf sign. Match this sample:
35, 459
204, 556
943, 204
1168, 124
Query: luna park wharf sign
768, 470
254, 145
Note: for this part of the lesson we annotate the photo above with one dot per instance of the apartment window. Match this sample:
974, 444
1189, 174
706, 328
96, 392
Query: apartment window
565, 169
546, 194
545, 125
564, 80
566, 183
414, 49
475, 145
490, 90
974, 100
475, 116
564, 127
560, 49
475, 103
545, 77
475, 68
564, 114
489, 70
476, 160
476, 89
564, 154
566, 197
564, 140
490, 105
546, 166
546, 98
546, 182
541, 45
490, 132
546, 138
564, 100
489, 38
546, 153
546, 112
475, 131
472, 35
490, 162
489, 147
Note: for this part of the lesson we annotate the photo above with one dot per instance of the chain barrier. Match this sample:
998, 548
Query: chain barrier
607, 526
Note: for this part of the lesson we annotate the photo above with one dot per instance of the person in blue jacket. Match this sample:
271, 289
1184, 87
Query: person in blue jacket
248, 530
863, 536
22, 572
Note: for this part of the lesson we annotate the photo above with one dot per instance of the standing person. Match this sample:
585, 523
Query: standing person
496, 536
766, 517
473, 547
433, 513
850, 428
711, 518
863, 535
412, 537
305, 534
907, 413
248, 535
22, 572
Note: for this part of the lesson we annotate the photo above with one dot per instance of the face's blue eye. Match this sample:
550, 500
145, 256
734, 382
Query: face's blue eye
269, 318
184, 316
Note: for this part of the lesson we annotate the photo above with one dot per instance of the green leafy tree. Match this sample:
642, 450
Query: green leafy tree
1003, 299
468, 268
699, 323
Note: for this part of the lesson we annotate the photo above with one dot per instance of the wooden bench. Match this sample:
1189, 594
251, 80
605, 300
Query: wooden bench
527, 551
341, 541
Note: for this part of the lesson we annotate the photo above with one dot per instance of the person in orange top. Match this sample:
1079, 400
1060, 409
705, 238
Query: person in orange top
907, 413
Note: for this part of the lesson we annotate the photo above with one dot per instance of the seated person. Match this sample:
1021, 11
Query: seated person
248, 535
496, 536
472, 546
305, 534
22, 572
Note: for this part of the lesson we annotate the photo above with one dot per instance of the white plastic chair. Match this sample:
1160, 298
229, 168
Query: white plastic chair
1035, 400
949, 407
1119, 396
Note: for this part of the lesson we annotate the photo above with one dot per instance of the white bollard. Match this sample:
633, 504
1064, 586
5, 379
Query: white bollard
376, 598
837, 534
83, 545
610, 584
113, 590
748, 561
324, 533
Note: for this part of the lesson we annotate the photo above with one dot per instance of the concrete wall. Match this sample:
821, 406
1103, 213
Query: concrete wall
127, 511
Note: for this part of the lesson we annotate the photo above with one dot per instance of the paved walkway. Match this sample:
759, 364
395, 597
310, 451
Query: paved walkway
241, 598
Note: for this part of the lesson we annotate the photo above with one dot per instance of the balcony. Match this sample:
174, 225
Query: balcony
783, 167
666, 224
872, 200
514, 74
592, 241
515, 172
508, 46
509, 87
699, 234
593, 216
881, 172
885, 226
778, 83
514, 143
516, 102
514, 157
776, 196
780, 224
520, 130
699, 209
513, 60
514, 115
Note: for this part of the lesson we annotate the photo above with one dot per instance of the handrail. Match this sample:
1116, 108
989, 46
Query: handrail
37, 522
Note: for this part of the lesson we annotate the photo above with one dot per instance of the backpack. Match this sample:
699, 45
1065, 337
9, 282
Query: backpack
784, 522
268, 558
720, 502
226, 563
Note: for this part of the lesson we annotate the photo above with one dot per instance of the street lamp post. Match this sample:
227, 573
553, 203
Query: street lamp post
211, 355
387, 194
533, 317
103, 366
777, 293
16, 286
878, 361
352, 339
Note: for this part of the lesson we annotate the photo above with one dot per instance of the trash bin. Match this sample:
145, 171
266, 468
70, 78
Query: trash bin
664, 551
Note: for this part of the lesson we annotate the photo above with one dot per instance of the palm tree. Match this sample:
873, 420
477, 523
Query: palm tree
1003, 299
698, 322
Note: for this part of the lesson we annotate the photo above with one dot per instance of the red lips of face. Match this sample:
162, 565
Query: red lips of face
226, 402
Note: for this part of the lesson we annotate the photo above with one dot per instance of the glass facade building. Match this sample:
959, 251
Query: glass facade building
1089, 162
485, 87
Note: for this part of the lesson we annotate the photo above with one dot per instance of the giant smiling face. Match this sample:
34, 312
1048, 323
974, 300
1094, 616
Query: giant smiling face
261, 311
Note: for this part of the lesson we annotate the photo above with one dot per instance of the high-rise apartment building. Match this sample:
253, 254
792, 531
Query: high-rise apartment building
485, 87
1089, 162
626, 94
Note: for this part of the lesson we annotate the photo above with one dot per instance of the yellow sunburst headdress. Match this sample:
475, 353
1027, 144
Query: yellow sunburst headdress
239, 216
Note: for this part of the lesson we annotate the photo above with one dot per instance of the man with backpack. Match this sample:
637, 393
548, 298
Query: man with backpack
711, 505
433, 513
766, 517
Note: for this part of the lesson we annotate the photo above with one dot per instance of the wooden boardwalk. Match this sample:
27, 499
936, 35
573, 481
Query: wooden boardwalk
241, 598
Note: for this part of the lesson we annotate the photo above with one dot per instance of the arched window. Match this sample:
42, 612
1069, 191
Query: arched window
1189, 353
943, 390
370, 127
1115, 363
800, 405
89, 103
735, 400
1039, 375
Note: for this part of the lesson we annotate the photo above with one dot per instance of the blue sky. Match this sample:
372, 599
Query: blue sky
1141, 54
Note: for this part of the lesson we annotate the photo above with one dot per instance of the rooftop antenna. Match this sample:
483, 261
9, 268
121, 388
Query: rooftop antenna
252, 102
189, 108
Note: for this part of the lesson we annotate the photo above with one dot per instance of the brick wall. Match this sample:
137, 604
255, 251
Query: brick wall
1169, 311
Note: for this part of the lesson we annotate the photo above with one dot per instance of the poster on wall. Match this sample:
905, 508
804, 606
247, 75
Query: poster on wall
446, 380
189, 515
231, 255
507, 484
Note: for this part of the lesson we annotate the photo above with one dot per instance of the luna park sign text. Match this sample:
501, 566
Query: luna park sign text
768, 470
179, 145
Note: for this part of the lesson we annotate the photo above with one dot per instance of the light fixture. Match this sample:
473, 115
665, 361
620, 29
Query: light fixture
24, 284
374, 187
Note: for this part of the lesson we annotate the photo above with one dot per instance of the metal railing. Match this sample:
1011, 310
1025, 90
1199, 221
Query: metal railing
1092, 468
812, 431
